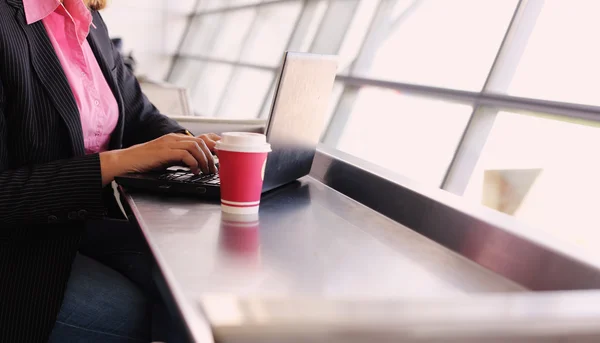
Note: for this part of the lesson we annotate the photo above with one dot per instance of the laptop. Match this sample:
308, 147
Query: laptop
294, 128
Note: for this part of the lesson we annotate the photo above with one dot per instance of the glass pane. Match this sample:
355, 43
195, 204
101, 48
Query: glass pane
336, 93
356, 33
185, 73
210, 87
542, 171
560, 61
309, 23
448, 44
207, 5
270, 33
410, 135
333, 28
232, 34
202, 35
245, 93
268, 103
219, 35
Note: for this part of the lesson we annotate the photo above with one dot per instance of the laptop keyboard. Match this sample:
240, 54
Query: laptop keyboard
187, 177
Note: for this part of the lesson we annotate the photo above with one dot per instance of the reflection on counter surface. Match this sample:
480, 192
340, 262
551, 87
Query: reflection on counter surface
239, 235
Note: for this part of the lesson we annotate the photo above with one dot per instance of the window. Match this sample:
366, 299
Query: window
210, 86
208, 5
449, 44
185, 73
308, 25
336, 93
355, 34
270, 33
560, 58
543, 171
335, 22
232, 34
246, 92
419, 136
231, 53
202, 35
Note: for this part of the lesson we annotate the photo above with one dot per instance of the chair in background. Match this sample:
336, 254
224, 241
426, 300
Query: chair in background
169, 99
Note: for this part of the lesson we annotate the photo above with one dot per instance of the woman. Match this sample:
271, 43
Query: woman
72, 117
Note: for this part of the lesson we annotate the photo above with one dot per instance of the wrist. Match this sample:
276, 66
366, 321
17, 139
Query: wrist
111, 166
185, 132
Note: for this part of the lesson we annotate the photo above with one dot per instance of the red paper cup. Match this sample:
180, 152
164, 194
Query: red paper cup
242, 161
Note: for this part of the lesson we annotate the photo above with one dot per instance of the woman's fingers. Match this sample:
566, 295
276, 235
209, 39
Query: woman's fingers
212, 168
210, 139
200, 152
210, 144
199, 147
187, 158
213, 136
194, 149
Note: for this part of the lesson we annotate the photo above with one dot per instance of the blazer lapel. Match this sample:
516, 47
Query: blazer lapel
49, 70
117, 135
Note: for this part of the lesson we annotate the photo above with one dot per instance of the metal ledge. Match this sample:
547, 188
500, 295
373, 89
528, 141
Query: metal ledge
493, 240
525, 317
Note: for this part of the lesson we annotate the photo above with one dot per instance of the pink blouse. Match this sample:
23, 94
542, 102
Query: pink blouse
68, 25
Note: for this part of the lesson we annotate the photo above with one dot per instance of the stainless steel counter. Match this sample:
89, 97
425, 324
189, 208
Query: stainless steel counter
311, 241
558, 317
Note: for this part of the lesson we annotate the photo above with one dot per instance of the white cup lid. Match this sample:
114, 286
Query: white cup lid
243, 142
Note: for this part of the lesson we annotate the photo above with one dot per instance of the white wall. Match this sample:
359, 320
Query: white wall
151, 29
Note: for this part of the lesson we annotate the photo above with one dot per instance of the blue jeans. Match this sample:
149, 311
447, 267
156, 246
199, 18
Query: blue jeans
101, 305
110, 295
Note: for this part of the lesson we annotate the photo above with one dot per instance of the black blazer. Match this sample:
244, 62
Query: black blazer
48, 186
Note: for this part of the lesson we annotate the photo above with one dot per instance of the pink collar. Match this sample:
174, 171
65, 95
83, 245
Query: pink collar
36, 10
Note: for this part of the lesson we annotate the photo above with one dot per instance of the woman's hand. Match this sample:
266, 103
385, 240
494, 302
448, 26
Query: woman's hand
210, 139
195, 152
